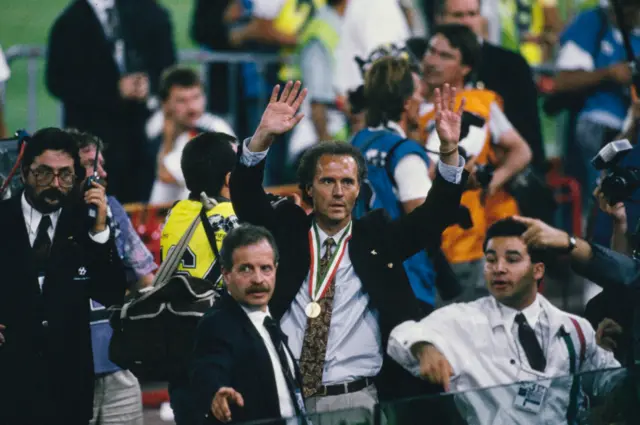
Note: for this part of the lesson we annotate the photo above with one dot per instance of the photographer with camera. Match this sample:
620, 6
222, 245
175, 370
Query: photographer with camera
617, 272
452, 57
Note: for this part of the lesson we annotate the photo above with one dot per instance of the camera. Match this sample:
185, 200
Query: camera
620, 182
483, 173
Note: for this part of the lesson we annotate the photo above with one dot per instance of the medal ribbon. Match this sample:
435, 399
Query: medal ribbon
317, 284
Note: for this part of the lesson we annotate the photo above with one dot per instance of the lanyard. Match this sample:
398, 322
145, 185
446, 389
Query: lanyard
318, 284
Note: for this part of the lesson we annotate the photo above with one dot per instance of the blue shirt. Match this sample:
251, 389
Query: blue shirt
608, 105
138, 262
383, 150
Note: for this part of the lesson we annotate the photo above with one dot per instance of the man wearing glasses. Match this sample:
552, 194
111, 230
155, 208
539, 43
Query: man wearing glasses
54, 258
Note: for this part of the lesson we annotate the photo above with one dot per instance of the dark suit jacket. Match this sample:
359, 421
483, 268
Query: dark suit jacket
82, 73
46, 365
377, 248
229, 352
508, 74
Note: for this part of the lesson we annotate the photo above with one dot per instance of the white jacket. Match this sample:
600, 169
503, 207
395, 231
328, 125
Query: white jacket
483, 352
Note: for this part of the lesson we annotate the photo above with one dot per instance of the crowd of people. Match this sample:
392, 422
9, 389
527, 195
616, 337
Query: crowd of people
410, 259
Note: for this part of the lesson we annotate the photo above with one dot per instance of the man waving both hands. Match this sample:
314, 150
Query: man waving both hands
341, 286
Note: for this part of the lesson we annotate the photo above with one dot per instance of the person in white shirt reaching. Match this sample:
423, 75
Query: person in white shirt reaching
514, 336
181, 118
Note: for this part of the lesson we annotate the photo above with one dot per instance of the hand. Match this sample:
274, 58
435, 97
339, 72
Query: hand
472, 181
127, 86
541, 235
233, 12
433, 364
620, 73
618, 212
448, 120
220, 403
2, 340
97, 196
279, 115
141, 87
607, 334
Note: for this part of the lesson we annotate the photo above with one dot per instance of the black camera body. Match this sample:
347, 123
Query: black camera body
620, 182
484, 174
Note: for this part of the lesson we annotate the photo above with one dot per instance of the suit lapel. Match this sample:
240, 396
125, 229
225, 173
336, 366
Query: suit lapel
19, 234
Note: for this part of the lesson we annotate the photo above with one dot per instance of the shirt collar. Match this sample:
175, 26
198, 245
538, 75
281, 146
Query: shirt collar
391, 125
531, 313
256, 316
324, 236
32, 216
100, 6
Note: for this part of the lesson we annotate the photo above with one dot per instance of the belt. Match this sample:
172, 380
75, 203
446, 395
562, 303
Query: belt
344, 388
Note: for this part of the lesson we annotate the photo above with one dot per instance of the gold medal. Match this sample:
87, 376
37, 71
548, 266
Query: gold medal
313, 310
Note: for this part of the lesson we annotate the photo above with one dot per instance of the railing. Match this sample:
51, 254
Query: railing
34, 54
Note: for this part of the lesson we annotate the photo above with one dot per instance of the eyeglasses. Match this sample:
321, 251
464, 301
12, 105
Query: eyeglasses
44, 176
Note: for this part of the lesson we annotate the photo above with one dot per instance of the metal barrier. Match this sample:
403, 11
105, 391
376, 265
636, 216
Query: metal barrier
34, 54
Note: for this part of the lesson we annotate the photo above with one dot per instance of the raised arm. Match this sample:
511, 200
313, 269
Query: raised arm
249, 199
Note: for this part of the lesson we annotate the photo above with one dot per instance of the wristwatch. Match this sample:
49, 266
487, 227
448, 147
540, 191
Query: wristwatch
572, 244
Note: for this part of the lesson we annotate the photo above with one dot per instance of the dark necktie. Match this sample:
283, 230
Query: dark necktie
530, 344
316, 337
113, 24
278, 341
42, 245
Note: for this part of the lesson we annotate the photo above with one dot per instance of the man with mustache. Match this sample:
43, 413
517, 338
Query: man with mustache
513, 335
242, 368
54, 259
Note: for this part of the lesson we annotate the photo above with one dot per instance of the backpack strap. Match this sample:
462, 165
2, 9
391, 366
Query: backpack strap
216, 270
574, 367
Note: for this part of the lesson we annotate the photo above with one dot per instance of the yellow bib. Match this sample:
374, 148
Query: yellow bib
198, 259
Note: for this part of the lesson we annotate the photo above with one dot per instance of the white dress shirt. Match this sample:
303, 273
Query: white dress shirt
100, 8
32, 219
354, 348
257, 317
479, 339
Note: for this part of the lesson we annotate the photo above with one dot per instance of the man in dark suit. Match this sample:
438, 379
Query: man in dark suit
104, 61
504, 72
242, 368
365, 291
54, 259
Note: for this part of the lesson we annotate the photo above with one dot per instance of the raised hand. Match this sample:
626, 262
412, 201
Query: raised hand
279, 116
448, 119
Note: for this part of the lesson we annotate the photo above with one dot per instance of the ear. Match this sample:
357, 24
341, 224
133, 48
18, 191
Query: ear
466, 70
538, 271
309, 191
23, 176
227, 179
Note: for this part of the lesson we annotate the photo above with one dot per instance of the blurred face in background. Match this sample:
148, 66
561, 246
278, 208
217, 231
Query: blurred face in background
412, 106
87, 160
463, 12
185, 105
442, 63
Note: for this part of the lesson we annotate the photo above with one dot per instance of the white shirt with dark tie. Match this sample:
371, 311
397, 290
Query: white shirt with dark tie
287, 409
32, 219
101, 8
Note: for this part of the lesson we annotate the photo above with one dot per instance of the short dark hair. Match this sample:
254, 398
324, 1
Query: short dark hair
85, 140
387, 86
245, 235
508, 227
206, 160
53, 139
309, 162
465, 40
180, 76
417, 46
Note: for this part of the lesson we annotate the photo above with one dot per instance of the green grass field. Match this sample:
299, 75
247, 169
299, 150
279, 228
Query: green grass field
28, 22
